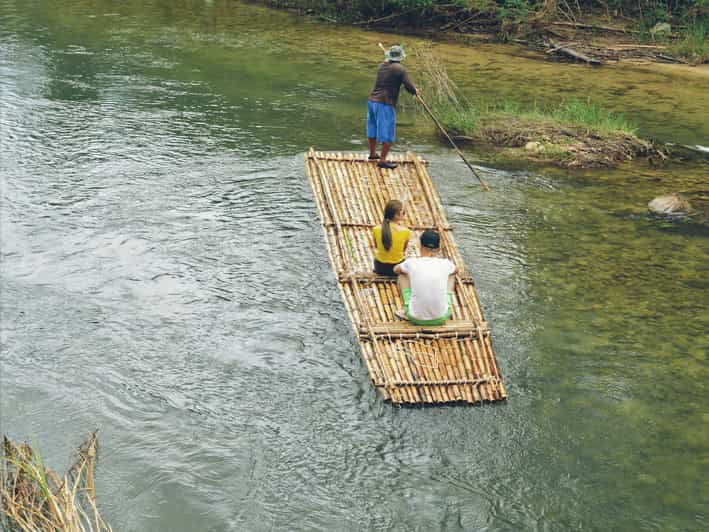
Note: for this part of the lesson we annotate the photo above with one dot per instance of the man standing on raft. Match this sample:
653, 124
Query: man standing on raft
381, 105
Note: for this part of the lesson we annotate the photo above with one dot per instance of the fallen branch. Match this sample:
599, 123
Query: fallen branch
396, 15
638, 46
592, 27
673, 59
573, 53
461, 23
382, 19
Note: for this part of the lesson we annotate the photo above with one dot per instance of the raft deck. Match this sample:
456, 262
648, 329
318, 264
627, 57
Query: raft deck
409, 364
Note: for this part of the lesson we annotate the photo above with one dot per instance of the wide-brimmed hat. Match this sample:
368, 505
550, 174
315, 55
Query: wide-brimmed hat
395, 53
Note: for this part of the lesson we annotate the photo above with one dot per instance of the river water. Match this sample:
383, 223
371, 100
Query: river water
165, 280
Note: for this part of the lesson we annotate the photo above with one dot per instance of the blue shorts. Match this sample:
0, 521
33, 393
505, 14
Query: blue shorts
381, 121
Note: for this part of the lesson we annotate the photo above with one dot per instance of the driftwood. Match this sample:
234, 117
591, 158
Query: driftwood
382, 19
672, 59
457, 25
637, 46
572, 53
591, 27
399, 14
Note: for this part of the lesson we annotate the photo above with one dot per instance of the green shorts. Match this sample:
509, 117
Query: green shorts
406, 292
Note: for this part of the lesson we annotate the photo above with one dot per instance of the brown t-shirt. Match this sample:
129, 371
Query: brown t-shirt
390, 76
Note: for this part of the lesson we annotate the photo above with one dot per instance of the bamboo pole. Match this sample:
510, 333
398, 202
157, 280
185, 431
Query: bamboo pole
427, 367
442, 382
485, 389
348, 205
460, 370
455, 147
424, 364
361, 193
398, 346
438, 370
454, 371
354, 285
399, 357
463, 370
449, 367
373, 373
398, 370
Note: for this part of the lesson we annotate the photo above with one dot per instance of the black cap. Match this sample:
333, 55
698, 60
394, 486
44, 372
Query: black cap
430, 239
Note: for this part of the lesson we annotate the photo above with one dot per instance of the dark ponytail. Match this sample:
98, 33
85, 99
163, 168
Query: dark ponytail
392, 208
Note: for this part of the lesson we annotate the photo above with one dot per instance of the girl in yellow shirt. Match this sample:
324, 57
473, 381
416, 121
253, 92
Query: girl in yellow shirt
390, 239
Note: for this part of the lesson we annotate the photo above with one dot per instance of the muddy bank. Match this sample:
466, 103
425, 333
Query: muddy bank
589, 37
564, 146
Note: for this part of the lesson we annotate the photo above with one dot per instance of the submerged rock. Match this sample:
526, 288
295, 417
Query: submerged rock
689, 206
670, 205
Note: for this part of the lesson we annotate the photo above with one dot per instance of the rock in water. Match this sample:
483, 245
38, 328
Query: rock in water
670, 205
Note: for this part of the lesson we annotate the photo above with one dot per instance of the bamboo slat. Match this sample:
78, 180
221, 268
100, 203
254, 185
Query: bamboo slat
408, 364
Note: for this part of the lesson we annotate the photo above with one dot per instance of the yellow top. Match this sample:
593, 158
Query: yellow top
395, 253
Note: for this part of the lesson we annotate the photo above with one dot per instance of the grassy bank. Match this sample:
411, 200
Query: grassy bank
468, 119
694, 43
571, 133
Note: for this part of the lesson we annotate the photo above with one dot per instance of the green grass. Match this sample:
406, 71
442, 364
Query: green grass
466, 119
555, 152
593, 116
458, 120
695, 45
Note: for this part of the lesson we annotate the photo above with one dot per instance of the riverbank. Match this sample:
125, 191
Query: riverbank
554, 136
566, 146
583, 138
573, 133
585, 33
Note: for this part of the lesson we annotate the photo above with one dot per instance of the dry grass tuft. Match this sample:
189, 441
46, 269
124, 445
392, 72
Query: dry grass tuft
35, 499
434, 80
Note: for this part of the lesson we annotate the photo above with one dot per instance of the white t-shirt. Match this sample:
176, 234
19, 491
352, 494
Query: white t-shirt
429, 286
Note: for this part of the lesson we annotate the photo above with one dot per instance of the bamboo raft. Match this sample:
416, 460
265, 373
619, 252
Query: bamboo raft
409, 364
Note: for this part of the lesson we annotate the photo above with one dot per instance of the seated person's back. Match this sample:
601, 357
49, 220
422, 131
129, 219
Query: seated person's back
399, 239
428, 278
390, 239
426, 284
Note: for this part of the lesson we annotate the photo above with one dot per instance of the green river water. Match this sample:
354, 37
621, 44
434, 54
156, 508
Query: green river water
164, 279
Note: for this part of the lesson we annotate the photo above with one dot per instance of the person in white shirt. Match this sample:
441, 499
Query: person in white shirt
426, 283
